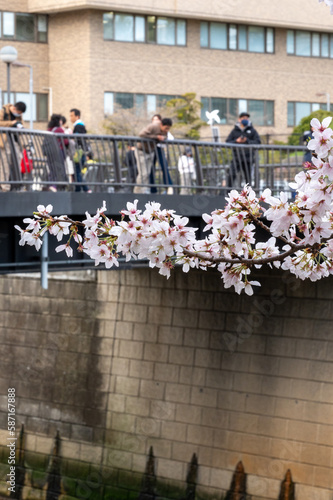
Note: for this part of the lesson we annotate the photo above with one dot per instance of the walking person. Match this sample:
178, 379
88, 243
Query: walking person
145, 152
11, 116
186, 169
56, 151
242, 133
162, 159
79, 157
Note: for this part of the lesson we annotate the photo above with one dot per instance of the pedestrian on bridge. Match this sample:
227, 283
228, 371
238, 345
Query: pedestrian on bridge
146, 150
80, 148
242, 133
10, 154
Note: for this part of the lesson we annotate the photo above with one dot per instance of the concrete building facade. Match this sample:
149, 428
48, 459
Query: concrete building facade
269, 59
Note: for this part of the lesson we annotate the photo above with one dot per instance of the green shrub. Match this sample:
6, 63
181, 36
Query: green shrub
304, 125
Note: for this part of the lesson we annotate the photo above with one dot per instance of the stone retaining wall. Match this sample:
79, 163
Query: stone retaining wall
127, 360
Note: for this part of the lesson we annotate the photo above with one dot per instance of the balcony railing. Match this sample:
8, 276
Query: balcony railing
38, 161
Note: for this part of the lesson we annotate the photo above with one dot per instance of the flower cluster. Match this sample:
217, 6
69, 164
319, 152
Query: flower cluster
299, 233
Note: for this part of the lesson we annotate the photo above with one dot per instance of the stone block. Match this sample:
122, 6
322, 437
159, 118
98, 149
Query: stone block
127, 386
274, 427
246, 382
174, 298
262, 405
148, 427
177, 393
81, 433
137, 277
141, 369
185, 317
207, 358
162, 410
200, 300
173, 431
192, 375
162, 447
201, 396
190, 281
120, 366
137, 406
130, 349
44, 445
211, 417
91, 453
200, 435
160, 315
220, 479
316, 455
305, 389
194, 337
127, 294
107, 310
219, 379
166, 372
123, 330
151, 390
323, 477
145, 332
170, 469
181, 355
149, 296
156, 352
226, 302
213, 320
170, 335
136, 313
307, 432
184, 451
123, 423
116, 402
188, 413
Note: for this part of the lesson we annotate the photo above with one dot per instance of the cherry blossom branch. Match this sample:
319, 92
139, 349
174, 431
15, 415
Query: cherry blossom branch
253, 262
304, 226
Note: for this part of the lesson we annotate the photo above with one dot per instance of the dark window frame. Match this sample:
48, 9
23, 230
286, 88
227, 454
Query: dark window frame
134, 94
37, 94
36, 32
319, 33
266, 28
146, 41
230, 118
322, 105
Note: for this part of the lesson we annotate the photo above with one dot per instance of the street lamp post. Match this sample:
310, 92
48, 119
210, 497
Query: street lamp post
31, 87
8, 55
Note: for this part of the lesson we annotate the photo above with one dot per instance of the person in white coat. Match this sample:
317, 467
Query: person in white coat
186, 169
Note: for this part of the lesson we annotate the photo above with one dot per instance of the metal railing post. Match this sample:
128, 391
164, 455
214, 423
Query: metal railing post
117, 169
44, 261
198, 166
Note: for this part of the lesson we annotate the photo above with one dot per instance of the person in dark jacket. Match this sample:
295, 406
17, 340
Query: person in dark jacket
307, 136
79, 157
242, 133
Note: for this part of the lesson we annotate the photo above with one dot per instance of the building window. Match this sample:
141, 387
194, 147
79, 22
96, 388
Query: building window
309, 44
236, 37
147, 104
40, 105
261, 112
23, 27
144, 29
298, 110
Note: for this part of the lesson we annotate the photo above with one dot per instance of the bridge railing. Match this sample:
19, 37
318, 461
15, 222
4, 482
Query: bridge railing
37, 161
